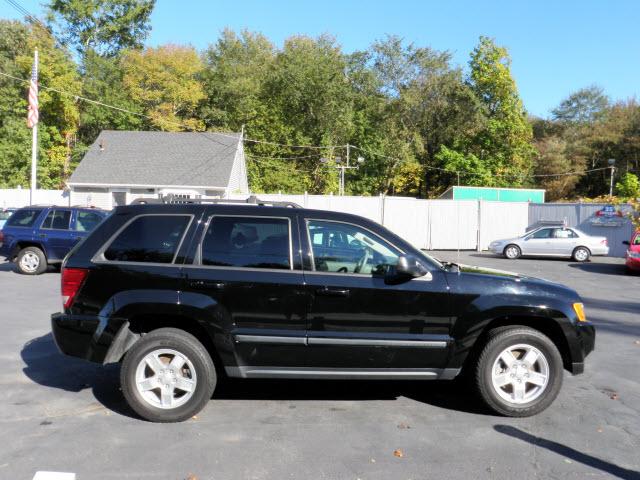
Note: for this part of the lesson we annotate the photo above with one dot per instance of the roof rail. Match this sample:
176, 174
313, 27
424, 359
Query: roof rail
251, 200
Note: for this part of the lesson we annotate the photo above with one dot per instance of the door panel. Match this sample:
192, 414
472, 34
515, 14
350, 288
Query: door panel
245, 266
356, 320
539, 242
56, 234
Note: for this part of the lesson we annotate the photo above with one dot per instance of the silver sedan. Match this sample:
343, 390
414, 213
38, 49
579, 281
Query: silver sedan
552, 242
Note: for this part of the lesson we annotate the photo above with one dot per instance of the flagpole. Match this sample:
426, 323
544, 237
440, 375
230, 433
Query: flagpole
34, 146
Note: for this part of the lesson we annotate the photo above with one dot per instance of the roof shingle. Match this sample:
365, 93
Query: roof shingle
202, 159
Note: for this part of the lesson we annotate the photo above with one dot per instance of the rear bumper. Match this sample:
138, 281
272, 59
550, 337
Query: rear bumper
599, 250
86, 336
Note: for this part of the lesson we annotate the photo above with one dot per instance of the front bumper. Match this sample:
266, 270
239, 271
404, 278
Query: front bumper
633, 263
585, 344
86, 336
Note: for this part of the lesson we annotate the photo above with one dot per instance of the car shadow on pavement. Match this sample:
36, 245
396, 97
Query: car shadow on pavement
7, 267
601, 268
450, 395
46, 366
569, 452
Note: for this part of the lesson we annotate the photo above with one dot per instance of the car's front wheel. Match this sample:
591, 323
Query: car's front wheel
31, 261
519, 372
167, 376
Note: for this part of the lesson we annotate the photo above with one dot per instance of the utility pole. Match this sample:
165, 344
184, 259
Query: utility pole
32, 121
612, 163
343, 168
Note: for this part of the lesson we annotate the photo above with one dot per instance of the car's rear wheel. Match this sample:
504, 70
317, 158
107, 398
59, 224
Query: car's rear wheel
512, 252
31, 261
581, 254
519, 372
167, 376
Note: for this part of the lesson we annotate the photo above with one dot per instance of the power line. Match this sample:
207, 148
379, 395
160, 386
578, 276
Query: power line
35, 20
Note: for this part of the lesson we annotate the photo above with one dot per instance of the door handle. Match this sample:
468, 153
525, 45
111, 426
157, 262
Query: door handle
206, 284
43, 235
333, 292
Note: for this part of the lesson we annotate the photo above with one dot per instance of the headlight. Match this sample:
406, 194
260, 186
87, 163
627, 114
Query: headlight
633, 254
579, 309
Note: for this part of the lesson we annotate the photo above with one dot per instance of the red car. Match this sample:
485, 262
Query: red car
633, 253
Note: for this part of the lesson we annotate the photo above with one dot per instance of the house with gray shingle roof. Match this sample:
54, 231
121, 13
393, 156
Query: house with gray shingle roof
123, 165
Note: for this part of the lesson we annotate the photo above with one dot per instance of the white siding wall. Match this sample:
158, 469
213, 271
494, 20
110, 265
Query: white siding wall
17, 197
96, 199
238, 182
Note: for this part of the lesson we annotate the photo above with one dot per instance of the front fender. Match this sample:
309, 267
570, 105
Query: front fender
546, 313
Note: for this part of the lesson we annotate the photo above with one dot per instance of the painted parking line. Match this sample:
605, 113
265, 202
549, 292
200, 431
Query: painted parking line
54, 476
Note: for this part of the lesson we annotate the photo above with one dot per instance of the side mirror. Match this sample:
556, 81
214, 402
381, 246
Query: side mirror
408, 267
626, 242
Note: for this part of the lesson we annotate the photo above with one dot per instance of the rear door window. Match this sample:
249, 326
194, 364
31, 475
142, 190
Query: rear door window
87, 221
149, 239
23, 218
57, 220
250, 242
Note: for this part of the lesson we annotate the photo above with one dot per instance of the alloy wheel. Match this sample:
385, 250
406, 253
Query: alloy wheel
29, 262
166, 378
520, 374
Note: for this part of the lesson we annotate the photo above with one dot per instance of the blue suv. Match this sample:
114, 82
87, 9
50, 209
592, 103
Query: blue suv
37, 236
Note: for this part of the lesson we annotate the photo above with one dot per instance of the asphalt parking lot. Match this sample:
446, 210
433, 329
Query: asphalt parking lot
62, 414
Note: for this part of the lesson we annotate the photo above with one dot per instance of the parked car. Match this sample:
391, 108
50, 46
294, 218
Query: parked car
632, 261
37, 236
181, 294
5, 213
552, 241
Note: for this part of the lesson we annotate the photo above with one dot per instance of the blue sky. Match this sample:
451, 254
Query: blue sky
556, 46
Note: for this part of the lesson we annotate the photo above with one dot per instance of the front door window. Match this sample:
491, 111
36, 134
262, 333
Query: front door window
346, 248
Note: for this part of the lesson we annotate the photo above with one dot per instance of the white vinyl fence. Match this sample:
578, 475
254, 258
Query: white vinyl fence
428, 224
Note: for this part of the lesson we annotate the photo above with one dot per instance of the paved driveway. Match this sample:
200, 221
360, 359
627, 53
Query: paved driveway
65, 415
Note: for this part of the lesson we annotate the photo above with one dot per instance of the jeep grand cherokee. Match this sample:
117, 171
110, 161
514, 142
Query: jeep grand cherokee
183, 293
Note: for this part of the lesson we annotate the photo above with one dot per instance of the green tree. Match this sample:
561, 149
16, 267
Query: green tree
505, 143
582, 106
628, 186
164, 80
105, 26
58, 112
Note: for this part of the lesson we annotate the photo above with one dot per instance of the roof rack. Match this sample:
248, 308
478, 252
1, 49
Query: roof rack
251, 200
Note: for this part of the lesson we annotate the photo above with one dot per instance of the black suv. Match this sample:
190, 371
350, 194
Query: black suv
182, 294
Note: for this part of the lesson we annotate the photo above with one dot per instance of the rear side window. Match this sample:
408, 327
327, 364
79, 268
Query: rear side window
23, 218
247, 242
149, 238
87, 221
57, 220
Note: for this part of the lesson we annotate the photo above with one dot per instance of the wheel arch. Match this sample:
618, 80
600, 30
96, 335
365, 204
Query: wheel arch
545, 325
20, 244
142, 323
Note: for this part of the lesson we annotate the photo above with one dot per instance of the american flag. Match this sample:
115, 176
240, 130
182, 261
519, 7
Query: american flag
32, 113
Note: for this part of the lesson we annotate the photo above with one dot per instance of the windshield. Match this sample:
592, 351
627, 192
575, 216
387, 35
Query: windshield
430, 259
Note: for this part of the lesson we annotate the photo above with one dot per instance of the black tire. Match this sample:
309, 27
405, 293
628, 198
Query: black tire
187, 345
581, 254
34, 253
497, 342
512, 247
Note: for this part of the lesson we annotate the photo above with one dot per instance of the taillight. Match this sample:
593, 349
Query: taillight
604, 242
1, 236
72, 279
